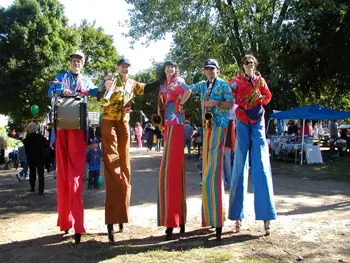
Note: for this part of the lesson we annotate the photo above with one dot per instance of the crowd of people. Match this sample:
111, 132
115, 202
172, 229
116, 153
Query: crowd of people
224, 131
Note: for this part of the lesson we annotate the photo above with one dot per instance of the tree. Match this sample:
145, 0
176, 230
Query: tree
286, 36
316, 52
34, 43
225, 31
101, 56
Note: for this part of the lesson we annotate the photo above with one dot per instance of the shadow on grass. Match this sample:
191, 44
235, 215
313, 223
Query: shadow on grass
94, 247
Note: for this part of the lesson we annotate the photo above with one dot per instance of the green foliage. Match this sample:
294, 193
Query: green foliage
147, 102
35, 43
302, 46
316, 52
100, 55
3, 131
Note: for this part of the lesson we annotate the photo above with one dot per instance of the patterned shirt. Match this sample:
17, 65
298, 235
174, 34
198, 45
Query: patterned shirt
122, 96
219, 91
172, 94
74, 83
241, 89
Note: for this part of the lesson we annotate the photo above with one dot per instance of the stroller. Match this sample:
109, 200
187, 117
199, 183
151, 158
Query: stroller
13, 160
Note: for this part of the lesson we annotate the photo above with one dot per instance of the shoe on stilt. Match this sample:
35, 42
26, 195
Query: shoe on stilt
169, 233
182, 228
77, 237
218, 233
238, 225
110, 233
267, 227
121, 227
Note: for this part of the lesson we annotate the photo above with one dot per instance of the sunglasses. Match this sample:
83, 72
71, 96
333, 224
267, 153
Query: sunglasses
248, 62
209, 68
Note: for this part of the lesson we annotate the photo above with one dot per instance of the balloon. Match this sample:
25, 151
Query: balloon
34, 109
100, 180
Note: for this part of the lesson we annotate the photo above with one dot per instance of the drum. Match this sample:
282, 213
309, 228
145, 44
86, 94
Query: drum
70, 113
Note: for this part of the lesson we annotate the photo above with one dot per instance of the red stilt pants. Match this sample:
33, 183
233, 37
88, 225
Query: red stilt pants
70, 159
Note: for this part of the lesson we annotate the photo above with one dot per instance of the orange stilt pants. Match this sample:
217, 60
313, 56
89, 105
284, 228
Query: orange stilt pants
116, 160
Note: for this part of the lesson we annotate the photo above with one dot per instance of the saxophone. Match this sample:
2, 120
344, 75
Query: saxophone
208, 118
158, 119
208, 115
253, 95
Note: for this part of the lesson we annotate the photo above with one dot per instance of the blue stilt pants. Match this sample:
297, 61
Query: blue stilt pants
251, 135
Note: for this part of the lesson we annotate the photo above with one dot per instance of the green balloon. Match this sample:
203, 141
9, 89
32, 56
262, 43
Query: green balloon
34, 109
100, 180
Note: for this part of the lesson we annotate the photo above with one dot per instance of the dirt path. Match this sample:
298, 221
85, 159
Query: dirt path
313, 220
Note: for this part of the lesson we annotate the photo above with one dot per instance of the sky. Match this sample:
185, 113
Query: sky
108, 14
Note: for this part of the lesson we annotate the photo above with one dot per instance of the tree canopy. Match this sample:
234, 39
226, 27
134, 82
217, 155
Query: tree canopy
35, 43
296, 42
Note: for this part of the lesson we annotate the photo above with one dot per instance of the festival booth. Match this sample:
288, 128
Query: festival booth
310, 112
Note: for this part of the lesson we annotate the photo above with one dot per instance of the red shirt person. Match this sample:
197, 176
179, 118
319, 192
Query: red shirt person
242, 88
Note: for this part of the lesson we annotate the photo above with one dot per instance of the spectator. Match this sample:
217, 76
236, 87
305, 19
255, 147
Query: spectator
198, 138
194, 127
292, 128
138, 132
93, 159
91, 134
307, 129
98, 132
343, 134
333, 129
3, 147
24, 164
188, 136
13, 158
159, 137
149, 129
320, 131
36, 147
229, 149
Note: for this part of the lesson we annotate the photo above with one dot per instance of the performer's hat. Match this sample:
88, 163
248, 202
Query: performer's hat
124, 61
77, 53
211, 63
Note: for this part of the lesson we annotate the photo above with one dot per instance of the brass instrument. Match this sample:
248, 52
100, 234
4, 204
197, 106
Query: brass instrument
208, 118
253, 95
105, 100
158, 119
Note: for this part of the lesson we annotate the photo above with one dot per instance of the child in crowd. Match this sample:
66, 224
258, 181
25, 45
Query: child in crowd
93, 159
24, 164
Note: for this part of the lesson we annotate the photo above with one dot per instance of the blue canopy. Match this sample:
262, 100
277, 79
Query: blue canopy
311, 112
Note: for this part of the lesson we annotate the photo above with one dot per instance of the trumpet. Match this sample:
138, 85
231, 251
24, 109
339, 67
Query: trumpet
105, 100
